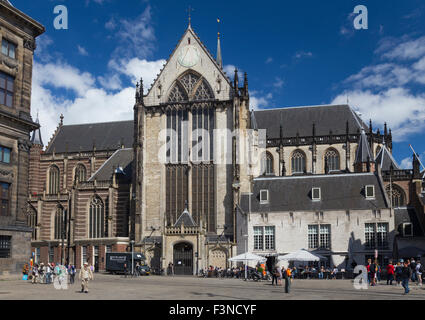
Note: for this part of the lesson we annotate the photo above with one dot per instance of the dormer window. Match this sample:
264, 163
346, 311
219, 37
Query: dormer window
316, 194
370, 192
407, 229
264, 196
8, 48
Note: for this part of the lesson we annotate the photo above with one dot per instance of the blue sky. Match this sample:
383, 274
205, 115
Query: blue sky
295, 53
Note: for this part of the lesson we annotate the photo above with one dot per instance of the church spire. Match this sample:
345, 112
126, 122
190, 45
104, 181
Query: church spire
36, 135
219, 58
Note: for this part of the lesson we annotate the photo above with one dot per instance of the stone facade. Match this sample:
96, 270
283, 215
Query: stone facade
20, 31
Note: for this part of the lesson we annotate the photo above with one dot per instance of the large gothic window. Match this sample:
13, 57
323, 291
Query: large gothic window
32, 222
190, 86
332, 160
298, 162
267, 164
396, 195
80, 173
54, 180
97, 219
59, 222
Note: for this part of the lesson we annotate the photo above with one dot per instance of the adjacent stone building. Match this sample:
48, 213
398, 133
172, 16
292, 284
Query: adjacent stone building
18, 33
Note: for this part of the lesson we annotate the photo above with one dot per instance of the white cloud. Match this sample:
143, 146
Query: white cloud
138, 68
269, 60
82, 51
303, 54
278, 83
258, 101
385, 92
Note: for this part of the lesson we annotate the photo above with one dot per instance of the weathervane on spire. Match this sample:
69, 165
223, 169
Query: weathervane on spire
190, 10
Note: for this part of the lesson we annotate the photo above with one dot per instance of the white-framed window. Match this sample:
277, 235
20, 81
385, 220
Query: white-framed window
376, 235
264, 196
316, 194
264, 238
258, 238
407, 229
313, 236
370, 192
319, 236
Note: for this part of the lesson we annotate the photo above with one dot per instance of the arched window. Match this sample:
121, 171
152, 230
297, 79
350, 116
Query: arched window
267, 164
190, 86
80, 173
332, 160
97, 219
396, 195
59, 222
298, 162
32, 222
54, 180
378, 149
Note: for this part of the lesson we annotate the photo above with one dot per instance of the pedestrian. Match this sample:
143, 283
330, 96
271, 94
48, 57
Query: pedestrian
372, 272
125, 270
419, 271
390, 273
413, 268
287, 276
398, 272
406, 274
48, 274
85, 275
275, 275
321, 272
378, 272
34, 274
72, 272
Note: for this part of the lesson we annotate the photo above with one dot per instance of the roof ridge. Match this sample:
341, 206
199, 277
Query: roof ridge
95, 123
302, 107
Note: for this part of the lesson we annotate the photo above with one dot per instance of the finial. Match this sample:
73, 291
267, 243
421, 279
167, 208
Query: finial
190, 10
61, 120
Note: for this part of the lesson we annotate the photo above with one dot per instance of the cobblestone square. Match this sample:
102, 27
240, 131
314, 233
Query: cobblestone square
115, 287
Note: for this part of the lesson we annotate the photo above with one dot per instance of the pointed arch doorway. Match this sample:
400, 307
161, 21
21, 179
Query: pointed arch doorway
183, 258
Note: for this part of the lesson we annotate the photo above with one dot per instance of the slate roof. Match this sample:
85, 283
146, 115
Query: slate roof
121, 160
338, 192
186, 219
363, 153
105, 136
385, 159
402, 215
300, 120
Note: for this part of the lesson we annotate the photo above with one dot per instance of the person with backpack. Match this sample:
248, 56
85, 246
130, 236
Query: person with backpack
372, 271
413, 268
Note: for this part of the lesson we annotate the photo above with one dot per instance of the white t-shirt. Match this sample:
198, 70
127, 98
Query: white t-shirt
418, 269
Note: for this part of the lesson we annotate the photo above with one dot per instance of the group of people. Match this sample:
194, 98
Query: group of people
402, 272
278, 274
62, 273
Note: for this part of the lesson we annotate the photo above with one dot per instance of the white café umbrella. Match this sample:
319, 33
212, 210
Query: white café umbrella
245, 257
301, 255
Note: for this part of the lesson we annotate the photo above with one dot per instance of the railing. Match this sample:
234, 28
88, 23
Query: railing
397, 175
93, 184
182, 230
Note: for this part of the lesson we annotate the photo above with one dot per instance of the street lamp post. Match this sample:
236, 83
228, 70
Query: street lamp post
132, 257
246, 250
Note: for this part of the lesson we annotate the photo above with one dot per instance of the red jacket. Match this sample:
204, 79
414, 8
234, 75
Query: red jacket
390, 269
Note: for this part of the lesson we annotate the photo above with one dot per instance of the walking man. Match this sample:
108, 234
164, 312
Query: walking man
287, 275
85, 275
275, 275
419, 271
406, 273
